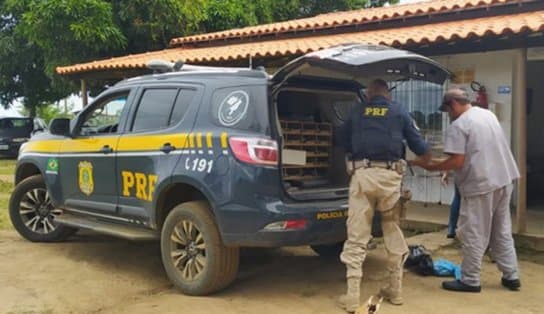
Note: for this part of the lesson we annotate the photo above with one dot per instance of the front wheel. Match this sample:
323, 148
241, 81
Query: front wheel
32, 213
194, 257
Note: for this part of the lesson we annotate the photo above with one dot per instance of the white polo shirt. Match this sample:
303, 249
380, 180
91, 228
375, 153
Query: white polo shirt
489, 164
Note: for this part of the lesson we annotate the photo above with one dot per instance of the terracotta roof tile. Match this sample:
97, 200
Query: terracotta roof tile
423, 34
342, 18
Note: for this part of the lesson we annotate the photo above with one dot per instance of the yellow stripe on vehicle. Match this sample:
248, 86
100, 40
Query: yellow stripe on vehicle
209, 141
122, 143
151, 142
191, 140
43, 146
224, 140
199, 140
91, 144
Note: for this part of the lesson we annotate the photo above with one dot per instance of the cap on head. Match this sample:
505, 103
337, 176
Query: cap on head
457, 94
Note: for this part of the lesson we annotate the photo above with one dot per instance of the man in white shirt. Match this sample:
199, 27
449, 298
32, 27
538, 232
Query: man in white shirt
484, 169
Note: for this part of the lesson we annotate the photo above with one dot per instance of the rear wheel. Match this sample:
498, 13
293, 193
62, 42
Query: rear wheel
328, 250
32, 213
194, 257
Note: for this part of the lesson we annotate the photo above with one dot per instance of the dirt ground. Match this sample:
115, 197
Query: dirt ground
97, 274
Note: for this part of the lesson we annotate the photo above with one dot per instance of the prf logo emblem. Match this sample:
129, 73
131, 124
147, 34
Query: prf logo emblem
86, 183
233, 108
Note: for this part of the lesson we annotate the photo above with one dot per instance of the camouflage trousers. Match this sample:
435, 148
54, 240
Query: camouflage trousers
374, 189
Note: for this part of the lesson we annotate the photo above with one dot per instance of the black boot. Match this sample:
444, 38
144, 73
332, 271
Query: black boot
513, 284
458, 285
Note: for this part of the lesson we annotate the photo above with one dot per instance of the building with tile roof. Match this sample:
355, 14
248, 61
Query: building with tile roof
497, 43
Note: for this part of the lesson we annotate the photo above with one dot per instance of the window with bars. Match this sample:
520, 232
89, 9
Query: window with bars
422, 99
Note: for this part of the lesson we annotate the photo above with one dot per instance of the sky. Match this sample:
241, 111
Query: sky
13, 111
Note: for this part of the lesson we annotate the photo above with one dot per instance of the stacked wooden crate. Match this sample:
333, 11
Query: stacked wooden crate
313, 138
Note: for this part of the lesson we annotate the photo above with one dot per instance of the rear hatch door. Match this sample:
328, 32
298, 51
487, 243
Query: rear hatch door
362, 63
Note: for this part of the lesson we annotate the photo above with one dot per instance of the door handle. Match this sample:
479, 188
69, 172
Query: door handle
106, 149
167, 148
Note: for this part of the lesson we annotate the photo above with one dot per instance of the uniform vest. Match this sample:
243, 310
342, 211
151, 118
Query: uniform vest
377, 131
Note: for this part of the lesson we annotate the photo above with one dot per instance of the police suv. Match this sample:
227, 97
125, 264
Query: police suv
208, 160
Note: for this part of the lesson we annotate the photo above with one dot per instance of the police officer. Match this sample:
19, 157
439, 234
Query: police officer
374, 136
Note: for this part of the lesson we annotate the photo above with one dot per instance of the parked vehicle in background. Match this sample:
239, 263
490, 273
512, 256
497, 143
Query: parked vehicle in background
15, 131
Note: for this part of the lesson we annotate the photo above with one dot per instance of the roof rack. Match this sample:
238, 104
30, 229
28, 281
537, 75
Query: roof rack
162, 66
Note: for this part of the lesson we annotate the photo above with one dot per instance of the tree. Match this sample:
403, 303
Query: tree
226, 14
22, 74
36, 36
149, 25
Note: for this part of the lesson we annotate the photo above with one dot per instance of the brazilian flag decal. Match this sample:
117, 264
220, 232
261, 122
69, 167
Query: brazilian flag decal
52, 166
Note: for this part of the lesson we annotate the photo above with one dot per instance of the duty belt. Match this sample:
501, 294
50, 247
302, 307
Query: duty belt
398, 166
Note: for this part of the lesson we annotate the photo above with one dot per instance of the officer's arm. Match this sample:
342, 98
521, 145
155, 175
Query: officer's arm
414, 139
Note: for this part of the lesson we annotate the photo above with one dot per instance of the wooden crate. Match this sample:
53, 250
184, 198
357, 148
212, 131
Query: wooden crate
316, 140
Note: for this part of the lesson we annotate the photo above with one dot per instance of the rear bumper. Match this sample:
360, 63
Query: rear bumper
325, 224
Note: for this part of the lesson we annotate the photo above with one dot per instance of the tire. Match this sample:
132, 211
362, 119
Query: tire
328, 250
32, 214
203, 264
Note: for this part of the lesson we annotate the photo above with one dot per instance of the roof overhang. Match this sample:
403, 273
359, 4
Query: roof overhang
447, 35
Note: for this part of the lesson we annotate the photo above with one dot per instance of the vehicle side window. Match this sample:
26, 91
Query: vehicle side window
154, 109
184, 99
104, 118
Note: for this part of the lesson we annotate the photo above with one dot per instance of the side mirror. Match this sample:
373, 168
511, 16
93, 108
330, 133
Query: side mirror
60, 126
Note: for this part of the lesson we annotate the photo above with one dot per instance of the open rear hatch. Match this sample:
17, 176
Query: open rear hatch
313, 95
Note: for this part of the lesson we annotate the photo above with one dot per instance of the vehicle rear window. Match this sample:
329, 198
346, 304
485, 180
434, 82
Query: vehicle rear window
241, 107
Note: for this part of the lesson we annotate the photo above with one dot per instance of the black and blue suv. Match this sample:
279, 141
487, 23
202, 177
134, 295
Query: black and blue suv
207, 160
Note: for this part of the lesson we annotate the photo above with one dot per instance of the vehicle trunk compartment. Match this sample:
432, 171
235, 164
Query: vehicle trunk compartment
313, 158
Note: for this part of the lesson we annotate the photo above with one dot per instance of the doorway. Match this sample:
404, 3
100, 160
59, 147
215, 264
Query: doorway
535, 135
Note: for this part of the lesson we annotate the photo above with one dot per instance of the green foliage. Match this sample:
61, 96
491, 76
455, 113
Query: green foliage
227, 14
224, 14
150, 24
22, 72
51, 111
38, 35
69, 30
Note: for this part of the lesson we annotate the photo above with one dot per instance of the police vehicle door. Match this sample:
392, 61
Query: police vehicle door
157, 131
87, 167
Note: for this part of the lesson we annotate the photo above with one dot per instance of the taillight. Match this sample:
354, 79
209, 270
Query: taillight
256, 151
285, 225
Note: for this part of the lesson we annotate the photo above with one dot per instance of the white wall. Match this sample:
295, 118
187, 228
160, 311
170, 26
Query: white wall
492, 69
